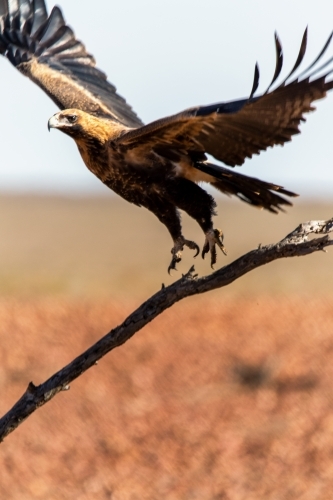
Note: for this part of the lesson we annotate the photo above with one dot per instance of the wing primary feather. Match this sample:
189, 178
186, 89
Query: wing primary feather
255, 80
322, 52
39, 17
279, 61
3, 9
299, 59
65, 40
318, 70
18, 38
14, 15
10, 37
55, 22
76, 54
25, 13
54, 38
13, 55
13, 8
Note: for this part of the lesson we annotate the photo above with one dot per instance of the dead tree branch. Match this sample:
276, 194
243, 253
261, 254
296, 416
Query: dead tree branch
295, 244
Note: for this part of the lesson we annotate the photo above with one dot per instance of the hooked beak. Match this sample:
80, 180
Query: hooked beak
53, 122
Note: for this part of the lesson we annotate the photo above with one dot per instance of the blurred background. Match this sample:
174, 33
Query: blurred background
226, 396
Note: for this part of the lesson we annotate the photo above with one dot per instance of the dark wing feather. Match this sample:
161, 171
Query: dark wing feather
256, 78
234, 131
45, 49
279, 61
300, 56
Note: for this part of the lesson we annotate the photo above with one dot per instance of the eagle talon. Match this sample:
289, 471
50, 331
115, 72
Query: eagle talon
177, 251
193, 246
214, 237
219, 240
173, 263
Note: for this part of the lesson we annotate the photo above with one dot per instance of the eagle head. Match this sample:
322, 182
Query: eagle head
69, 121
84, 127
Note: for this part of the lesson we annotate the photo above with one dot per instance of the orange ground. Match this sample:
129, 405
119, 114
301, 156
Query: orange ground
235, 403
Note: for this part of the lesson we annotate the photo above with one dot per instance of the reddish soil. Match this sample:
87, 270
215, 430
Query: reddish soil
215, 400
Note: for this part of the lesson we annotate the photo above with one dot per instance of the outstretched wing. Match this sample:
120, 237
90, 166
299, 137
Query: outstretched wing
234, 131
45, 49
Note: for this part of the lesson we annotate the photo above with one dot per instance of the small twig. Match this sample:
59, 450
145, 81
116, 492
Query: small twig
294, 244
301, 233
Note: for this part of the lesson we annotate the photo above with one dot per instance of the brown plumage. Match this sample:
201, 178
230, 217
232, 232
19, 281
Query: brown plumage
159, 165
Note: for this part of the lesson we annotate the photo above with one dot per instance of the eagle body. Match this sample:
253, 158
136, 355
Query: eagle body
158, 183
159, 165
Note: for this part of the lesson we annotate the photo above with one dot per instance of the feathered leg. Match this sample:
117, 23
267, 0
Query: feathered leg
199, 205
168, 214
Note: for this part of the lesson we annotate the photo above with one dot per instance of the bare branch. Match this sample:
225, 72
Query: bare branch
301, 233
294, 244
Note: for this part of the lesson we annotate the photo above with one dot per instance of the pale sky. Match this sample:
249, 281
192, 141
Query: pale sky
164, 56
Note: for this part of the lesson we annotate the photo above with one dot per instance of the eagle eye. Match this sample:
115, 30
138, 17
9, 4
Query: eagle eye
71, 118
